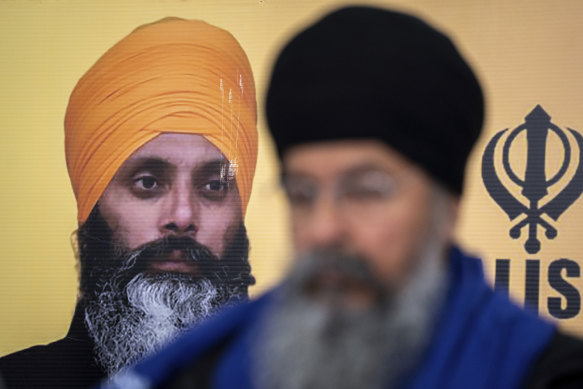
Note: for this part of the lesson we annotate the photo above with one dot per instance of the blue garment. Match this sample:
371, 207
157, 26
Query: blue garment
481, 340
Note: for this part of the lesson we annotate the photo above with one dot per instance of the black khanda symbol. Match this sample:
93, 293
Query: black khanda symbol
535, 184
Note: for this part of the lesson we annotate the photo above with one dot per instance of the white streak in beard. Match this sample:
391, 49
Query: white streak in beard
305, 344
160, 307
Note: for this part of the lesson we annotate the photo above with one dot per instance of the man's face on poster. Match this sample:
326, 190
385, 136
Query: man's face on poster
164, 248
175, 186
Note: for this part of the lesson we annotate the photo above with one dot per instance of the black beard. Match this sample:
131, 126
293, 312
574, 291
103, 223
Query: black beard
102, 260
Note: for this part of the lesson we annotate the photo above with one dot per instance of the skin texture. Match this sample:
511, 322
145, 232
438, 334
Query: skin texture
387, 228
172, 186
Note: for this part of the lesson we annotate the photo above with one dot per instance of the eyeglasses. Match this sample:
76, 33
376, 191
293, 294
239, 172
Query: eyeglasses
360, 192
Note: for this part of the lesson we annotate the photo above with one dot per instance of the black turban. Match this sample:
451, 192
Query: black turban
368, 73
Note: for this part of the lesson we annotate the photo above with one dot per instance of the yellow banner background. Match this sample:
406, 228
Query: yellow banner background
525, 52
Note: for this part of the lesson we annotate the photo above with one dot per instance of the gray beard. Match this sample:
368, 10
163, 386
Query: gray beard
128, 323
306, 344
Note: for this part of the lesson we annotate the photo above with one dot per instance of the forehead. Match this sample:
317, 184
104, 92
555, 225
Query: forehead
178, 149
325, 159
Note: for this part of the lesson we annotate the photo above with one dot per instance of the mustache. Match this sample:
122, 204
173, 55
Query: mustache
230, 271
208, 265
345, 270
193, 251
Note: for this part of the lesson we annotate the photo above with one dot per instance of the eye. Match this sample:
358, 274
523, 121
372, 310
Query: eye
364, 193
146, 183
145, 186
215, 190
216, 185
300, 194
370, 186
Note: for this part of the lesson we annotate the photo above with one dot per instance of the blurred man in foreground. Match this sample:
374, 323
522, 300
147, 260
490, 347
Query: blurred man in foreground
161, 147
374, 114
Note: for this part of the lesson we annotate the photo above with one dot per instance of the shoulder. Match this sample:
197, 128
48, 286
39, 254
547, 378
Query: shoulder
560, 365
23, 362
50, 366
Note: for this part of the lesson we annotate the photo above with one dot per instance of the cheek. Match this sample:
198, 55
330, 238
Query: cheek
392, 243
217, 227
138, 228
132, 223
299, 235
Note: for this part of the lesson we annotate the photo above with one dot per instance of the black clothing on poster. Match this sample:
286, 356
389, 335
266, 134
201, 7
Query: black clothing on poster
66, 363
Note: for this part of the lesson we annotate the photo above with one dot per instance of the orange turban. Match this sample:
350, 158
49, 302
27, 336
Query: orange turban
175, 75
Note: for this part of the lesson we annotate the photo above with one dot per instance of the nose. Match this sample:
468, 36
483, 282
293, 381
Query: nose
180, 212
326, 227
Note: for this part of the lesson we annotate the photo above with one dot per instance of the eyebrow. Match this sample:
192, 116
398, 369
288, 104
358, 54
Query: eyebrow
351, 171
161, 165
364, 168
145, 163
212, 166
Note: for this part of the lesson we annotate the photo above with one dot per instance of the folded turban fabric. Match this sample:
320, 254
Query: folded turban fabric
171, 76
371, 73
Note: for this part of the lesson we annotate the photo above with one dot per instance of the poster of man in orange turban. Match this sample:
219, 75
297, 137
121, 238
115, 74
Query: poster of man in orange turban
120, 119
161, 148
